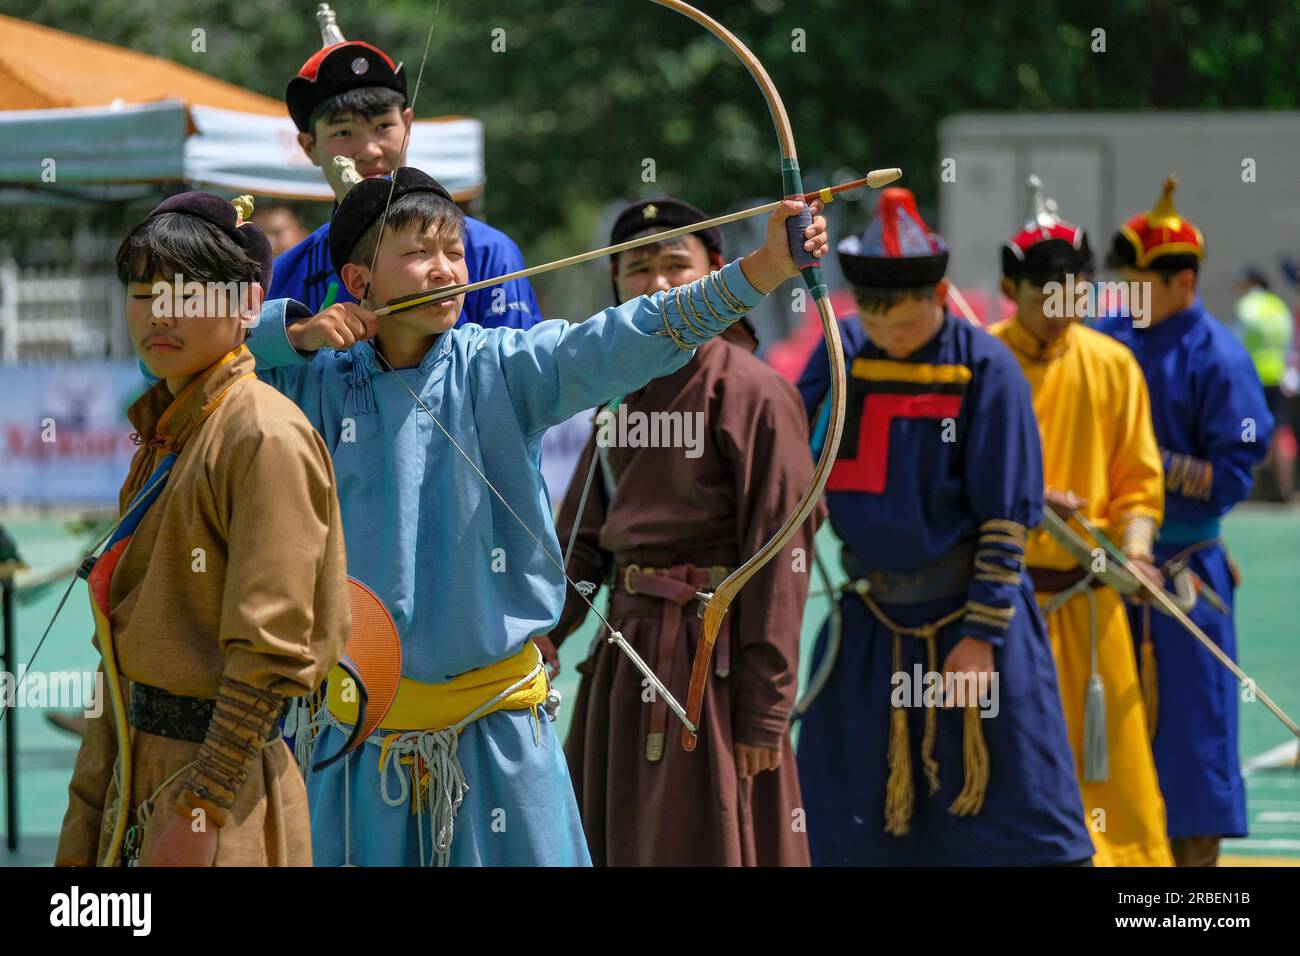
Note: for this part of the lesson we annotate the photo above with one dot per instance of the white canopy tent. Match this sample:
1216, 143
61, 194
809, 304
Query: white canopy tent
116, 151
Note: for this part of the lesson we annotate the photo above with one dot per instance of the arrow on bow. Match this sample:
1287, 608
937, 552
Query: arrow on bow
874, 180
792, 188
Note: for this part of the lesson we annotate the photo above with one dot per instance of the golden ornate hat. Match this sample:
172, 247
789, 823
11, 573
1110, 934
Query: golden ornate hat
1158, 240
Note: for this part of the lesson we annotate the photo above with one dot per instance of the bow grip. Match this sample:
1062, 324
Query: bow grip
794, 234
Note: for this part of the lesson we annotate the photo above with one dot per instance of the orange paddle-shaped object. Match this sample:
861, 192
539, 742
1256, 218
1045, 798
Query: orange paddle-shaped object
373, 658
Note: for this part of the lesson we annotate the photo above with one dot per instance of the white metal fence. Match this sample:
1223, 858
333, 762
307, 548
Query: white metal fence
56, 311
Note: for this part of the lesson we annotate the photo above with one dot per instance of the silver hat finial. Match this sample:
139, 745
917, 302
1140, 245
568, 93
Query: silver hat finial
330, 33
1042, 209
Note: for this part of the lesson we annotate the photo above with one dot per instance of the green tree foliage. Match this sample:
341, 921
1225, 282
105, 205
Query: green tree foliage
587, 90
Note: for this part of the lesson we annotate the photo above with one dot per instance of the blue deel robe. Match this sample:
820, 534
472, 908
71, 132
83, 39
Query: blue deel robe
1207, 402
908, 488
466, 584
305, 273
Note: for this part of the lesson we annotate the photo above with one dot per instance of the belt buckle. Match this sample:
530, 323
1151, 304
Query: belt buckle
627, 577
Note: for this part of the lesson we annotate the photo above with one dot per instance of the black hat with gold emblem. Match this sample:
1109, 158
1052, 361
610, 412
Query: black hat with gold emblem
660, 215
646, 214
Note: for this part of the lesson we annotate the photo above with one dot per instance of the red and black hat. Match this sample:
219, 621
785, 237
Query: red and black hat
1048, 247
1158, 240
897, 250
336, 69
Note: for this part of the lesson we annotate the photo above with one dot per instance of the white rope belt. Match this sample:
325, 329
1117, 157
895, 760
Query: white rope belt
437, 751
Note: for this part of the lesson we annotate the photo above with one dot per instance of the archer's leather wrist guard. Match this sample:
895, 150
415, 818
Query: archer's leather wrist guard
241, 721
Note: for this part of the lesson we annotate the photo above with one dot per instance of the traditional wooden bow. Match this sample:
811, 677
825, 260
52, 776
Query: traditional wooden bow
792, 187
721, 598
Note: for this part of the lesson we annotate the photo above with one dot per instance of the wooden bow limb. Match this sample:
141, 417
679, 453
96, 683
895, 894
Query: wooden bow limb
810, 269
874, 179
1177, 613
1118, 578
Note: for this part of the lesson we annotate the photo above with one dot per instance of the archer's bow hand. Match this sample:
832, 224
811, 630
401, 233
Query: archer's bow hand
768, 267
1064, 503
1148, 570
340, 327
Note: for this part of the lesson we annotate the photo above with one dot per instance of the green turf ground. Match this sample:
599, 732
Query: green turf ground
1265, 540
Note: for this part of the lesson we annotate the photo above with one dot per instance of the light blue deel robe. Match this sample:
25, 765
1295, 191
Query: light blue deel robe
466, 584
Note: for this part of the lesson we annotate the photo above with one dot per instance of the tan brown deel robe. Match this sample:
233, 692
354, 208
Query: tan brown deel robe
670, 510
263, 603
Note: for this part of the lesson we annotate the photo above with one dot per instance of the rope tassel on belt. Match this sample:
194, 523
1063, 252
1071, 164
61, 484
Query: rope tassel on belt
900, 797
1096, 746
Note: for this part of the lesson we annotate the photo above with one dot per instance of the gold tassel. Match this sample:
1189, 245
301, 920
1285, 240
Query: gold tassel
898, 789
976, 753
927, 742
1148, 676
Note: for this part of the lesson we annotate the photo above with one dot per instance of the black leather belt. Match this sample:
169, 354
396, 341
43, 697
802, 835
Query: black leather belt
947, 577
1054, 580
164, 714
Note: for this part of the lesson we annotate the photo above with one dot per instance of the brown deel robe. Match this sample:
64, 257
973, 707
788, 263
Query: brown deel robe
670, 510
264, 603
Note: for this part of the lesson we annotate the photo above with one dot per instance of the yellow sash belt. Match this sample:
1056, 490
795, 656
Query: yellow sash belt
420, 706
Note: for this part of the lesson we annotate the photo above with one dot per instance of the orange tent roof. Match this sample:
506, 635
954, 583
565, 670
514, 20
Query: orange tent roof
43, 68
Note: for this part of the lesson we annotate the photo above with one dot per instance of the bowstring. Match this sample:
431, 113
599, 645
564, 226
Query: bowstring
77, 576
383, 221
582, 499
406, 142
500, 497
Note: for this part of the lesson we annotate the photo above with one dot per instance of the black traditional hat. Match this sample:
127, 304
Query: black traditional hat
231, 217
664, 213
365, 203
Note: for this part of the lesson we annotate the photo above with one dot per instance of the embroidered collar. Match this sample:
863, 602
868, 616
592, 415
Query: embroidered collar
1025, 343
167, 422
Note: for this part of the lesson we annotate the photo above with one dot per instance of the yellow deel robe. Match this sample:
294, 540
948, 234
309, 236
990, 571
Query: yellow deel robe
1094, 416
252, 495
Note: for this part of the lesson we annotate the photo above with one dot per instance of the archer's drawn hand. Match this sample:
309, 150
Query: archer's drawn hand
340, 327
